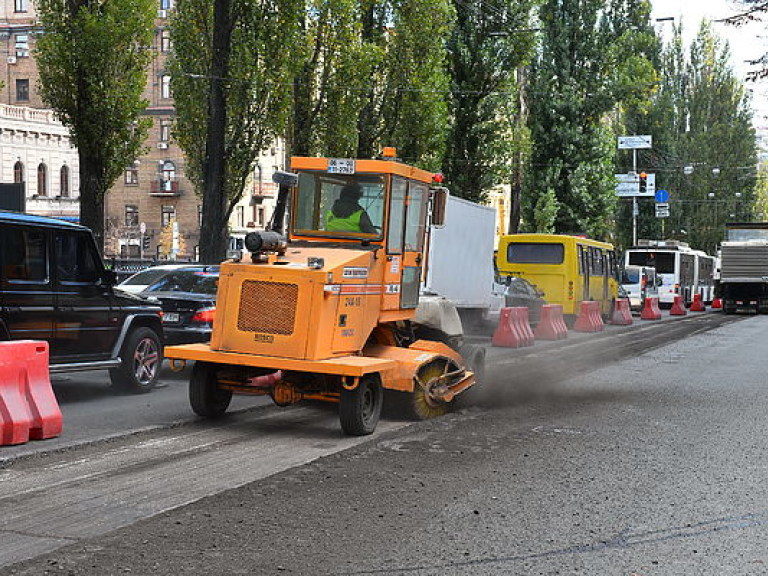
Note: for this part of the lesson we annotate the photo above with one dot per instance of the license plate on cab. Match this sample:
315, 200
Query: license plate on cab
171, 317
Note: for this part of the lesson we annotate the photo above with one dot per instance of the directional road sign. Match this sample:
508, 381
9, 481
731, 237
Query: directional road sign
635, 142
628, 185
662, 196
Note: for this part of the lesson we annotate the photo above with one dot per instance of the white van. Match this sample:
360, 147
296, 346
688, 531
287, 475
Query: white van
639, 282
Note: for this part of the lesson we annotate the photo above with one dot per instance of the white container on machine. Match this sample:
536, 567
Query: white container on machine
460, 260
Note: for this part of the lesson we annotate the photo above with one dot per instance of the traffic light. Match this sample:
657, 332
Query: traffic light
643, 182
145, 242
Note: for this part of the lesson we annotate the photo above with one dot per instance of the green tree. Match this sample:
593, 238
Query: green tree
591, 62
92, 61
332, 66
704, 145
231, 73
404, 103
489, 44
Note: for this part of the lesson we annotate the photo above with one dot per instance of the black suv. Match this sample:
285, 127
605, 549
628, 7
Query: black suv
54, 287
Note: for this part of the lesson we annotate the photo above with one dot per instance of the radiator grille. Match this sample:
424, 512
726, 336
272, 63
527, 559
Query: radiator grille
267, 307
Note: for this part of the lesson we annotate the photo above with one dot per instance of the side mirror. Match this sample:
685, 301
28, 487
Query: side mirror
439, 204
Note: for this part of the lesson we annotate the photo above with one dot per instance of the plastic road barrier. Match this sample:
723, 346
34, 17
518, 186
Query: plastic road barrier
651, 309
589, 319
698, 304
513, 330
28, 407
522, 322
551, 324
677, 308
717, 304
622, 315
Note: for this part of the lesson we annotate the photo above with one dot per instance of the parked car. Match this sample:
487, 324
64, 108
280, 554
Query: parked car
54, 287
142, 280
187, 296
520, 292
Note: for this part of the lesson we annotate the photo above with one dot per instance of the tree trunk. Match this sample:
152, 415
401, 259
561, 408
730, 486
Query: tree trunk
92, 198
214, 234
514, 210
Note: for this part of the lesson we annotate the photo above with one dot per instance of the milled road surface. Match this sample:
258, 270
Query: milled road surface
654, 465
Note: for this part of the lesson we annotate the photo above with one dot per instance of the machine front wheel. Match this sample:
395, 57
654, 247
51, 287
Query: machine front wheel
205, 397
360, 408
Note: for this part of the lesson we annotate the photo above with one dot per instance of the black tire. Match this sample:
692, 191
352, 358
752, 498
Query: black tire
141, 358
360, 409
205, 397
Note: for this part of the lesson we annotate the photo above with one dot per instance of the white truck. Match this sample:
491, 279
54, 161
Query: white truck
460, 262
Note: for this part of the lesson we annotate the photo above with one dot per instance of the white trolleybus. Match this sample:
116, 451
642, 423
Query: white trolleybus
682, 271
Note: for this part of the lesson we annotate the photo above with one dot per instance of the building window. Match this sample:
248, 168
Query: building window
42, 180
18, 173
197, 253
240, 214
165, 130
22, 45
165, 86
166, 4
199, 214
64, 181
22, 90
165, 40
168, 175
260, 216
20, 5
132, 175
168, 215
131, 215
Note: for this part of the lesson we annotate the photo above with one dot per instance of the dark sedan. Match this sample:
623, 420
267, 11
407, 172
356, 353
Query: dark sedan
188, 298
520, 292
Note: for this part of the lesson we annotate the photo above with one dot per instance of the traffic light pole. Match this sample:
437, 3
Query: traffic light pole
634, 201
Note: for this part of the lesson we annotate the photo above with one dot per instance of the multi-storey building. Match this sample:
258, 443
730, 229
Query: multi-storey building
152, 211
35, 148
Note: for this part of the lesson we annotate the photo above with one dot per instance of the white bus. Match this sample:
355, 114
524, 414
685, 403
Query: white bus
675, 264
705, 276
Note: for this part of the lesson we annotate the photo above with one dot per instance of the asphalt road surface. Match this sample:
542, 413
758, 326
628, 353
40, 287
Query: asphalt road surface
651, 465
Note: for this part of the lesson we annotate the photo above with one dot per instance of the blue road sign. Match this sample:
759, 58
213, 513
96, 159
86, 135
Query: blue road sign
662, 196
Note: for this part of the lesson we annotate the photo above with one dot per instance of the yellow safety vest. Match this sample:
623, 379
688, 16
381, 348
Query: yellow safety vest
349, 224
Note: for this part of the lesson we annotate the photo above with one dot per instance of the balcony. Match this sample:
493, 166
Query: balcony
164, 188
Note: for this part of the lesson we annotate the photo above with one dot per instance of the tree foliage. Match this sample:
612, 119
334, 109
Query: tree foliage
256, 86
92, 62
593, 59
701, 119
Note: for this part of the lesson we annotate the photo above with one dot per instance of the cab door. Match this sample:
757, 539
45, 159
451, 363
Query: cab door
395, 238
85, 322
413, 244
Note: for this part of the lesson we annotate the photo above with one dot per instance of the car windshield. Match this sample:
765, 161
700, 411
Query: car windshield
193, 281
146, 277
340, 206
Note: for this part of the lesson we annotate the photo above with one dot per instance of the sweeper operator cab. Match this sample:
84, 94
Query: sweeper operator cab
326, 312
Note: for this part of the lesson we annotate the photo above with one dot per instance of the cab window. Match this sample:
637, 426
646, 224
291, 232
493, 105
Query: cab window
418, 194
396, 215
338, 205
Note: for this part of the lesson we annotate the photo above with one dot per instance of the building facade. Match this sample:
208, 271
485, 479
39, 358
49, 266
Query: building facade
153, 210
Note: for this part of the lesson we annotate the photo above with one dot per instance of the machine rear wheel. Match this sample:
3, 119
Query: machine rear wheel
205, 397
360, 408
